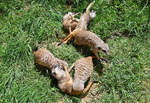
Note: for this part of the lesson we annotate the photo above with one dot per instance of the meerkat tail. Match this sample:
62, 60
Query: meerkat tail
88, 8
69, 29
66, 41
87, 88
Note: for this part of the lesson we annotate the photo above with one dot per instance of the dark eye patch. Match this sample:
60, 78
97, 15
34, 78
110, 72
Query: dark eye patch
53, 73
99, 48
55, 66
104, 51
62, 68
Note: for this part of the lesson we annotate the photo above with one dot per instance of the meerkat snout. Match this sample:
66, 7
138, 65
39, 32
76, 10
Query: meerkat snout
104, 48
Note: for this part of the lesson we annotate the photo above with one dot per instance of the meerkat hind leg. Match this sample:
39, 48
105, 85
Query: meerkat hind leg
72, 66
66, 39
87, 87
66, 70
69, 29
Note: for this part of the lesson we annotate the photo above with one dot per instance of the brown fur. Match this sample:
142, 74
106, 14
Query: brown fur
87, 38
83, 70
70, 22
86, 17
84, 37
65, 82
45, 58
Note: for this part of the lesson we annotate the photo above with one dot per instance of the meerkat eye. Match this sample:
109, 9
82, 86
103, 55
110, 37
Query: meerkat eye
62, 68
53, 73
56, 66
99, 48
104, 51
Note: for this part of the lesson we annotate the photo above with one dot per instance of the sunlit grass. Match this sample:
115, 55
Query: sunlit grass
123, 25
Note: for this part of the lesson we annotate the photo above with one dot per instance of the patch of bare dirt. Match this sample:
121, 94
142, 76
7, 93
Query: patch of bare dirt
93, 94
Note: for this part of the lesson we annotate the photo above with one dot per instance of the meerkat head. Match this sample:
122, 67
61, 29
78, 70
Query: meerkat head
104, 48
68, 16
92, 14
58, 72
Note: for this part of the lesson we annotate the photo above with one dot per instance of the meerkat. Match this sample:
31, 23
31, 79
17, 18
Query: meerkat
45, 58
70, 22
65, 81
87, 38
83, 70
90, 39
86, 17
82, 23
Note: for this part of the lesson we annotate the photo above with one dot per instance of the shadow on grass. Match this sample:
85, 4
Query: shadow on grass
47, 73
85, 51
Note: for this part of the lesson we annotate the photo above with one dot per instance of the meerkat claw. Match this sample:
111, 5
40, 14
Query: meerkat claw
103, 59
59, 43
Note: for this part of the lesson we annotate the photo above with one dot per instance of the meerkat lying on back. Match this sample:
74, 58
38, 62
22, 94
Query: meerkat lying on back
86, 17
70, 23
58, 69
83, 70
45, 58
82, 23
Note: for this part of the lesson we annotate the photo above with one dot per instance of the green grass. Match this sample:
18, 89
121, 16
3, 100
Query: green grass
26, 23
